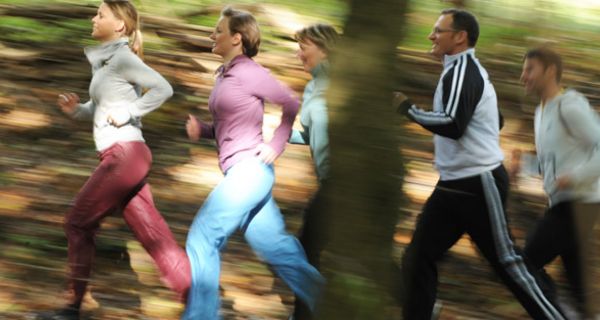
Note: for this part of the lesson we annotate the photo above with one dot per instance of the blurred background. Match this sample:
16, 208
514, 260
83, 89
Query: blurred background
45, 157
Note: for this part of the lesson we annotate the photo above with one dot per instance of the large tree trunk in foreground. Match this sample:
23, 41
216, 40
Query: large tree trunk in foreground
364, 193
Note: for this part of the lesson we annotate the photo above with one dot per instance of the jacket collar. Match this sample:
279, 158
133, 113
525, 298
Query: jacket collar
242, 58
99, 55
449, 60
320, 70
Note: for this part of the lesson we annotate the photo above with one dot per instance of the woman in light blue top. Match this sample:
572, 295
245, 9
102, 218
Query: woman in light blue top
315, 45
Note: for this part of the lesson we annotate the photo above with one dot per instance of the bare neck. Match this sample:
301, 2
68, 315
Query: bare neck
231, 55
551, 91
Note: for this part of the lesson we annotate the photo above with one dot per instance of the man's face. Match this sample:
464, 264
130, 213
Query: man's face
535, 77
443, 37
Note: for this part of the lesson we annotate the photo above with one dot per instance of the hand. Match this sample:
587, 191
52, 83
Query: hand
265, 153
401, 102
515, 164
192, 127
398, 98
118, 117
562, 182
68, 102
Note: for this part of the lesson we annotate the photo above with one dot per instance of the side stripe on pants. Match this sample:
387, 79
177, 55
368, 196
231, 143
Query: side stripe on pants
505, 249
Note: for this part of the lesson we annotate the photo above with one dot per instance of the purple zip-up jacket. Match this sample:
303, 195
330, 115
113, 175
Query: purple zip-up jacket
237, 106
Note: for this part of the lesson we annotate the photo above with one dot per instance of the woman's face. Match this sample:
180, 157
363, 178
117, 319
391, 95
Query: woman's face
224, 42
106, 26
310, 54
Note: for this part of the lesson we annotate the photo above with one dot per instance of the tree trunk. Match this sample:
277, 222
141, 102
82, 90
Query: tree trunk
364, 193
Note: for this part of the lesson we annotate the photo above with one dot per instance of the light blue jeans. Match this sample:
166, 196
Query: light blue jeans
243, 200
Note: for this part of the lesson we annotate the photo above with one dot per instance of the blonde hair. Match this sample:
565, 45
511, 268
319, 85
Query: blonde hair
322, 35
245, 24
125, 10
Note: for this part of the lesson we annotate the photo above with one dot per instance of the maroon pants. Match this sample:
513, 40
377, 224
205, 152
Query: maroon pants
118, 183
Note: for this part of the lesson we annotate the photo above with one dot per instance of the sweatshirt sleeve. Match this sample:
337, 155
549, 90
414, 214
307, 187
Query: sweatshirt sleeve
530, 164
84, 111
319, 140
157, 89
462, 90
268, 88
584, 124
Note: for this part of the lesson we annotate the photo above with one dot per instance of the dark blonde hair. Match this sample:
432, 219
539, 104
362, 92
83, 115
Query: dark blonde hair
245, 24
125, 10
322, 35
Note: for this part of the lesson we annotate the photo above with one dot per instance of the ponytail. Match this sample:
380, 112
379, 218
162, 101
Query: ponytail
136, 43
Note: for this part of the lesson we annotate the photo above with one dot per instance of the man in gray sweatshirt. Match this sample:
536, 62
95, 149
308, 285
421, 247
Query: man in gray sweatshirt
567, 141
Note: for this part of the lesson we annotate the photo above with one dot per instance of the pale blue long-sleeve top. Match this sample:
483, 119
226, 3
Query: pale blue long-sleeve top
314, 120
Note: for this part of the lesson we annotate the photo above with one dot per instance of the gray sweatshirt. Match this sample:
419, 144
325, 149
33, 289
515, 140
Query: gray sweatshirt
119, 76
567, 140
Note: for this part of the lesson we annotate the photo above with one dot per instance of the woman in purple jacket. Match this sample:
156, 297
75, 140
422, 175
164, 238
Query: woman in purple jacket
243, 199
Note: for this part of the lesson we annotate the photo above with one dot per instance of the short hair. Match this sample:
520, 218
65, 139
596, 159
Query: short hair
464, 21
322, 35
547, 57
245, 24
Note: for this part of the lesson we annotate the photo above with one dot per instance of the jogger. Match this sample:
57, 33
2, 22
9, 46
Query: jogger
471, 194
123, 89
567, 141
243, 199
315, 42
